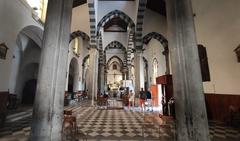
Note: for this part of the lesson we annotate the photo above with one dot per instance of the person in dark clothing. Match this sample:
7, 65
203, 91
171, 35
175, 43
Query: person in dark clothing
142, 99
149, 100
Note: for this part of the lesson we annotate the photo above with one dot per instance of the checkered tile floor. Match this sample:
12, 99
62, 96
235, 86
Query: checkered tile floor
99, 124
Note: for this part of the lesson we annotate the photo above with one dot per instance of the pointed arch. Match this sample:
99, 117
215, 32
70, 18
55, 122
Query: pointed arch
85, 59
115, 14
115, 45
119, 60
79, 33
33, 32
156, 36
155, 69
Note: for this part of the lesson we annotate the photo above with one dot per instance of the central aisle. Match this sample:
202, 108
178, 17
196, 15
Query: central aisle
114, 124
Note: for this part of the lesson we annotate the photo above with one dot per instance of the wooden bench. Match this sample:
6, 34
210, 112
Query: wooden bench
3, 107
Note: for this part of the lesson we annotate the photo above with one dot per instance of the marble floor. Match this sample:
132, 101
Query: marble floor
100, 124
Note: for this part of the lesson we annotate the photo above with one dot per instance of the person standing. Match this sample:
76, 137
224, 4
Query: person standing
149, 100
131, 99
142, 99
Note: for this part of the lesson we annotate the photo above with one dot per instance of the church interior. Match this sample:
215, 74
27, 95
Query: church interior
119, 70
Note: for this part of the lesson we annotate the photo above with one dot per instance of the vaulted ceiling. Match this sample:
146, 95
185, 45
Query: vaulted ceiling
158, 6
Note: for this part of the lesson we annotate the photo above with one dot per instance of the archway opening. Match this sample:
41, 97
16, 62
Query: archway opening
73, 78
24, 68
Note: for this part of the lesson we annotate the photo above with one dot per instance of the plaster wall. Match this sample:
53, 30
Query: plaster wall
128, 7
217, 28
115, 52
108, 37
80, 19
10, 28
154, 22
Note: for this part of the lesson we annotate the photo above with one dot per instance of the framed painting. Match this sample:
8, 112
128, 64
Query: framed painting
3, 51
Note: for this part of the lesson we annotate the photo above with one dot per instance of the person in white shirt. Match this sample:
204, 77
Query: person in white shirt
130, 99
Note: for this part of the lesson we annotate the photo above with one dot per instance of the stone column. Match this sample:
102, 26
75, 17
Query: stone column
101, 77
166, 54
48, 106
191, 116
93, 73
139, 71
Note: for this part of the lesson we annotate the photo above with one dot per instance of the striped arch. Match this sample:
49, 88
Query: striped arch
140, 16
85, 59
145, 61
156, 36
119, 60
114, 14
79, 33
92, 16
115, 45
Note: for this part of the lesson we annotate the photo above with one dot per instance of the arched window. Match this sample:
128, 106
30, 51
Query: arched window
114, 67
76, 46
155, 70
39, 7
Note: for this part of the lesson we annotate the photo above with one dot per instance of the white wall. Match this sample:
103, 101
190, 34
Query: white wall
115, 52
10, 25
108, 37
80, 19
154, 22
217, 28
128, 7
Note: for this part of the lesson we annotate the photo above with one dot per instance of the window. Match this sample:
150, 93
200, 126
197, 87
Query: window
155, 70
237, 51
114, 67
39, 7
76, 47
202, 52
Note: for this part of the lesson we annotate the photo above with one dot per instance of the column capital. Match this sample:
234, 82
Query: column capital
92, 47
138, 51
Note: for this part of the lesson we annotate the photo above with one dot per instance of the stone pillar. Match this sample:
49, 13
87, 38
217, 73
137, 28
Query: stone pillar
166, 54
76, 81
102, 78
93, 73
49, 100
191, 116
139, 71
105, 79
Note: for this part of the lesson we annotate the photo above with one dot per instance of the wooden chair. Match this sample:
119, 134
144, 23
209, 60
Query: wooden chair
80, 135
69, 127
101, 101
67, 112
168, 123
149, 123
234, 114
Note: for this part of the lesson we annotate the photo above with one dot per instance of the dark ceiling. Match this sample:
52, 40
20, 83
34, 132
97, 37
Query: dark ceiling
78, 2
158, 6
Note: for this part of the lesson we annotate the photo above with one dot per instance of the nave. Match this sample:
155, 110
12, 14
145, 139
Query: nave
100, 124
